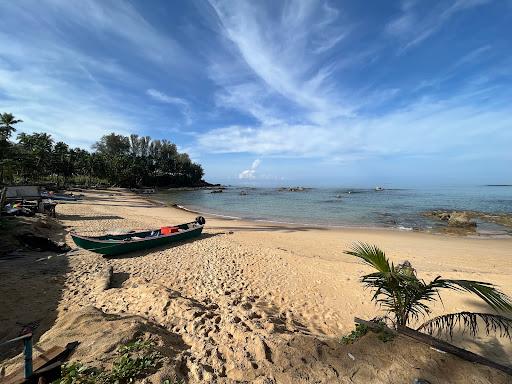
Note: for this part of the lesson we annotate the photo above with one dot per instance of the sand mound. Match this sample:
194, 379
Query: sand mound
99, 335
233, 341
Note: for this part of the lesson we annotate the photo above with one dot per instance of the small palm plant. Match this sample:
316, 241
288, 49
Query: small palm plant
406, 297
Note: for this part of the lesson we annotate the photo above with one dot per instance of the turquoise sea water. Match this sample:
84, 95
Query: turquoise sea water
396, 208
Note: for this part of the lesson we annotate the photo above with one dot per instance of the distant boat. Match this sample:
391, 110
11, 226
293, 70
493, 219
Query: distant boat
243, 193
128, 242
379, 188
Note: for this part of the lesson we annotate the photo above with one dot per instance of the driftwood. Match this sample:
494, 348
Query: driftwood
438, 344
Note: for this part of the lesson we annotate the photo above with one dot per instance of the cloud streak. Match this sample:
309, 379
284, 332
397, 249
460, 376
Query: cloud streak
177, 101
413, 25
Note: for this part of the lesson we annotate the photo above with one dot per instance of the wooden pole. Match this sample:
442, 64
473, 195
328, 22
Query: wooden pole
27, 352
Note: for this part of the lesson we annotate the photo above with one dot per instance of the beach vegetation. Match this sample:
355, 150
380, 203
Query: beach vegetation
133, 362
407, 299
115, 160
383, 333
356, 334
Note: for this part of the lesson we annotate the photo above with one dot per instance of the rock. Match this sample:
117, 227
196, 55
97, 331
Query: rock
444, 216
461, 219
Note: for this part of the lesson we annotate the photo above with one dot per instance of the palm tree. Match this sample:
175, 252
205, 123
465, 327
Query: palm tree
7, 122
406, 297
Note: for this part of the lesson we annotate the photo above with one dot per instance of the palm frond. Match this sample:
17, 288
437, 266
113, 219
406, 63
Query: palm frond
468, 322
488, 292
371, 255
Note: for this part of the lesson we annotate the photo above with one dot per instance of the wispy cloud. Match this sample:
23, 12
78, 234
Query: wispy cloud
415, 25
283, 54
121, 20
294, 79
251, 172
50, 79
293, 91
160, 96
178, 101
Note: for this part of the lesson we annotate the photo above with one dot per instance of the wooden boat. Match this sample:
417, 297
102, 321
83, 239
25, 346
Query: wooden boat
135, 241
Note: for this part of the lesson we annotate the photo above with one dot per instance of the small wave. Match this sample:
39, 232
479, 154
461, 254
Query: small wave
402, 228
207, 213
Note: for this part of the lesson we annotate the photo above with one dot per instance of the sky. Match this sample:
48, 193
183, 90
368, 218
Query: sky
314, 93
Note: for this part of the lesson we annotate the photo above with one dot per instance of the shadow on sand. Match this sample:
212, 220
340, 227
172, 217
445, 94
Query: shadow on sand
89, 218
30, 286
492, 346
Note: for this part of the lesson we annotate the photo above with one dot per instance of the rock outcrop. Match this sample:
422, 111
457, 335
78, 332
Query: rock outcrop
461, 219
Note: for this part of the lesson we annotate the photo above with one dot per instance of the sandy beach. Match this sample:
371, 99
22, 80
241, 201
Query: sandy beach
252, 301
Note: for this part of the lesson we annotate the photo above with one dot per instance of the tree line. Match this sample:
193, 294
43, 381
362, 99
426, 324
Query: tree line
116, 160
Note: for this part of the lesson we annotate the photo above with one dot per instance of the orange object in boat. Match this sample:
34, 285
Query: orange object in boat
168, 230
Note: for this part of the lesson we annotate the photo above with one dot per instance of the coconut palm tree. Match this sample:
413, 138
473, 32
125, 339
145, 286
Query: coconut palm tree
406, 298
7, 123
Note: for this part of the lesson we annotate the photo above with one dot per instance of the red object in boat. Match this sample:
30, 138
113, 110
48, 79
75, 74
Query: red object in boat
168, 230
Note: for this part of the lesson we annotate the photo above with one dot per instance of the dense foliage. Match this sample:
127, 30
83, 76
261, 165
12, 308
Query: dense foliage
116, 160
406, 298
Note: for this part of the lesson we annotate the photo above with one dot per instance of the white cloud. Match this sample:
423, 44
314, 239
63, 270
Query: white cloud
424, 127
251, 172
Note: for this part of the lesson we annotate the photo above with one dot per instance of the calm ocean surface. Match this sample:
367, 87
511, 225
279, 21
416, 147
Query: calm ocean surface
396, 208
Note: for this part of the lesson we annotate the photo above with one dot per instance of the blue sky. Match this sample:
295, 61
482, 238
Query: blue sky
400, 93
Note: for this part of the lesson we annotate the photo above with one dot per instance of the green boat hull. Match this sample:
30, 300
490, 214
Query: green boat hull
111, 245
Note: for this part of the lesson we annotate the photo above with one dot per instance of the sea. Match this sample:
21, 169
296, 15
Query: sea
401, 209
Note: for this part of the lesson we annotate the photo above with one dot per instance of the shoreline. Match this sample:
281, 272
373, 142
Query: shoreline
442, 231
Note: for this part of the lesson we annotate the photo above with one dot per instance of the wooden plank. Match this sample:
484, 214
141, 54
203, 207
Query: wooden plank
450, 348
39, 362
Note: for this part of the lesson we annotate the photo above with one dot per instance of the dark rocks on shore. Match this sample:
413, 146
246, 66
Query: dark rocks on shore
466, 219
459, 219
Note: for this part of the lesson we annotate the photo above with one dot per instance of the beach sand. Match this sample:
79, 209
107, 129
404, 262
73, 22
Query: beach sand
258, 302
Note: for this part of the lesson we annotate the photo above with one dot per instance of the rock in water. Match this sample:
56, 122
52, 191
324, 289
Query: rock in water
461, 219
